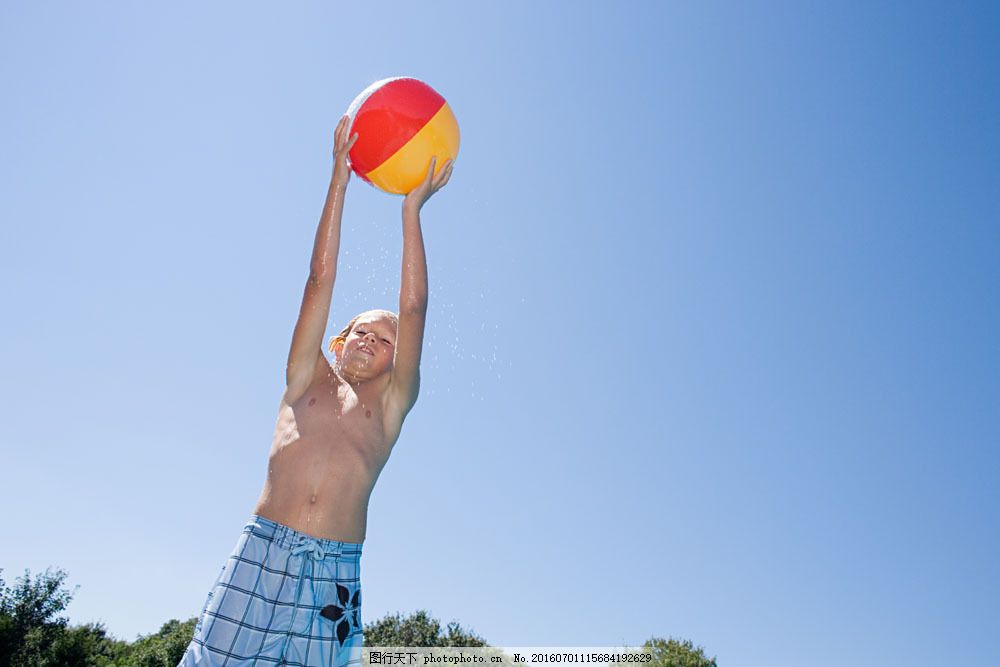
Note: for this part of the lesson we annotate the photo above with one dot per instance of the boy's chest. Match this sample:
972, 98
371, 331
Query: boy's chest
335, 410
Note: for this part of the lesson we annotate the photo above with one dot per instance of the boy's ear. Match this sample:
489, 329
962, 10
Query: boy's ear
335, 346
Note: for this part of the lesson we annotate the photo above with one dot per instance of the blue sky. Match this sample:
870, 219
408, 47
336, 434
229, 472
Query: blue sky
712, 342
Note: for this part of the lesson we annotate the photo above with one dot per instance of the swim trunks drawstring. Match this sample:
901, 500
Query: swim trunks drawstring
312, 546
315, 552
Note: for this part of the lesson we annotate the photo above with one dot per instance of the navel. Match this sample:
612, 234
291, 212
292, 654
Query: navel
313, 499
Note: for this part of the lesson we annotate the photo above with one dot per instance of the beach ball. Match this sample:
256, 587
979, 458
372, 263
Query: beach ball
401, 123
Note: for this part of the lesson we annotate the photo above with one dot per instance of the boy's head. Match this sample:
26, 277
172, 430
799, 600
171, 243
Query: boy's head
367, 345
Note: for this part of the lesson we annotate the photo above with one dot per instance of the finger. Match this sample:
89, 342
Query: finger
338, 135
350, 143
444, 175
443, 182
430, 172
345, 131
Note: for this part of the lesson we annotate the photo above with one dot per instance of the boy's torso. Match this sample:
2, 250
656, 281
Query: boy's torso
328, 449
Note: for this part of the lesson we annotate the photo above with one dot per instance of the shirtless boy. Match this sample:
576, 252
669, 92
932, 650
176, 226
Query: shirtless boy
290, 591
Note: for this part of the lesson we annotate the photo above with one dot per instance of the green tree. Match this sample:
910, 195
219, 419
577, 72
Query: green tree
676, 653
32, 632
418, 629
29, 616
85, 645
163, 648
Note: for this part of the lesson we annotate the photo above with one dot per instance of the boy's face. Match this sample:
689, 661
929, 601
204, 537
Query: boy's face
370, 347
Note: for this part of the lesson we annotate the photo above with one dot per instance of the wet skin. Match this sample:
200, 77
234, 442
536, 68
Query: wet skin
331, 443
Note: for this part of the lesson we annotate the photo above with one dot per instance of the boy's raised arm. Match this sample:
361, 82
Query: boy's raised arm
307, 340
405, 383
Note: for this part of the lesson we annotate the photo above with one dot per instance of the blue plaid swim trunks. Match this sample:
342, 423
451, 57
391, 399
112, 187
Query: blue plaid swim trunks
282, 598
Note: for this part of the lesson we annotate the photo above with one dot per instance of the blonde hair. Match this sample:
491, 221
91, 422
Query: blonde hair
341, 338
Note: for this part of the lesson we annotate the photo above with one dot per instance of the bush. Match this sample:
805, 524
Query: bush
676, 653
164, 648
418, 629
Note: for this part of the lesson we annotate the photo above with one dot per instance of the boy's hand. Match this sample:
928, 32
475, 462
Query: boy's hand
420, 194
341, 147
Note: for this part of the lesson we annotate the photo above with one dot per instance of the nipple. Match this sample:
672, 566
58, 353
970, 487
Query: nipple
368, 413
312, 401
